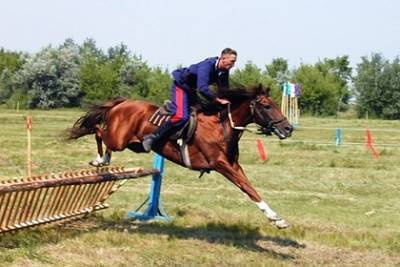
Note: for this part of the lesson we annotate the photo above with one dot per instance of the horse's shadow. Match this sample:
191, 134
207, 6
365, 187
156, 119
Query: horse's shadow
239, 235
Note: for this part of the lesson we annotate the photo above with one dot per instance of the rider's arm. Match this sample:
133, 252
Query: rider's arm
203, 79
223, 84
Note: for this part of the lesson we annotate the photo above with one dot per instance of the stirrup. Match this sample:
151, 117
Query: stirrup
147, 142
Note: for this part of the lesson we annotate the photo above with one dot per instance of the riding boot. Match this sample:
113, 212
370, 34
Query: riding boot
162, 131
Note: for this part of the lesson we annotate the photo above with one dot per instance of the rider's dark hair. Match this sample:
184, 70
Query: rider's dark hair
228, 51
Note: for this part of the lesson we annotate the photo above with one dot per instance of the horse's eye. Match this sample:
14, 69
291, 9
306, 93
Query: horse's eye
267, 106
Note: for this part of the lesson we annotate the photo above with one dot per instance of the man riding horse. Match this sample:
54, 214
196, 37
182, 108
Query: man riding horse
122, 123
187, 85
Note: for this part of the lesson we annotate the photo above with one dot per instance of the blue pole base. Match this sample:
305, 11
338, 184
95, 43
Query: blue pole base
143, 216
154, 210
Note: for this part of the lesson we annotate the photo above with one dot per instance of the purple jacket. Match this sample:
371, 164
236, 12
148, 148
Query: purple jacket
200, 76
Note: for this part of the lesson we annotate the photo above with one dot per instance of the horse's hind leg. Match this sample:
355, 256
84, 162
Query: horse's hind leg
101, 159
236, 175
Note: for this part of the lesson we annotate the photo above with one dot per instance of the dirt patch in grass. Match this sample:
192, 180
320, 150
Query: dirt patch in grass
314, 254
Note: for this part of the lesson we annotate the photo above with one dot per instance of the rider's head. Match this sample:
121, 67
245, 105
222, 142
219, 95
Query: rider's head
227, 59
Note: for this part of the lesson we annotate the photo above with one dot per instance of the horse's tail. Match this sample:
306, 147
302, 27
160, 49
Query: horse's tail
96, 115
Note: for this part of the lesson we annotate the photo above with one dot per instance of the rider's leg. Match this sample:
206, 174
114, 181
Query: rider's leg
180, 116
165, 129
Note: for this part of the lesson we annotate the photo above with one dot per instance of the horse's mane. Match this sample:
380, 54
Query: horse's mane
241, 93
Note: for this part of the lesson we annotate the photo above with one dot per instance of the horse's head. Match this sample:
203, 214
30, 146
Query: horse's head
267, 114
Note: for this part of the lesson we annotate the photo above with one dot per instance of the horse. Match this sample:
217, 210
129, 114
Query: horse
122, 123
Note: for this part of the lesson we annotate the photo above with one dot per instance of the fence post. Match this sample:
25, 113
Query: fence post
29, 148
338, 138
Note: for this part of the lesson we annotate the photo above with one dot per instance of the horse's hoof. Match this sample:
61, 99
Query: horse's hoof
281, 224
95, 163
273, 217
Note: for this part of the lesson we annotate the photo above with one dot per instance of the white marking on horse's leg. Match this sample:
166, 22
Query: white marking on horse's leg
272, 215
106, 160
99, 158
97, 162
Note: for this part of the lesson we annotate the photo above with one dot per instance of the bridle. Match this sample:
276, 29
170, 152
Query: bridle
260, 113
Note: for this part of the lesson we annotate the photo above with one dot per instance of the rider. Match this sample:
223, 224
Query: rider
187, 83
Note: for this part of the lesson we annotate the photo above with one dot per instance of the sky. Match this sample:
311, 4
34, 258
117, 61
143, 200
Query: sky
176, 32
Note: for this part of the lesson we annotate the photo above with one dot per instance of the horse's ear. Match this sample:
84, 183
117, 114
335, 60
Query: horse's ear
260, 89
263, 91
268, 91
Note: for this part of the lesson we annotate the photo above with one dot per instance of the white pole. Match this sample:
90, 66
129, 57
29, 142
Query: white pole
29, 130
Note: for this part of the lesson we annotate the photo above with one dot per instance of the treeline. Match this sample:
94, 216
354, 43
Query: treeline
72, 75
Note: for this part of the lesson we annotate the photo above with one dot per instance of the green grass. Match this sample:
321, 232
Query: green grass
343, 205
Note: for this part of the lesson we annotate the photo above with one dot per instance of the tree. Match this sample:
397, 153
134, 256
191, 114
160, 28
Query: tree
10, 62
250, 75
100, 73
50, 78
277, 73
339, 70
6, 88
390, 93
160, 83
319, 91
89, 50
278, 70
135, 76
377, 87
99, 81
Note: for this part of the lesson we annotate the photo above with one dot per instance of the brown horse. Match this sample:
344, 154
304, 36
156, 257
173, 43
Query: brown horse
122, 123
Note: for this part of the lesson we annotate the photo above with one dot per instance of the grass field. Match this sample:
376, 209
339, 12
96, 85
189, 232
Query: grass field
343, 205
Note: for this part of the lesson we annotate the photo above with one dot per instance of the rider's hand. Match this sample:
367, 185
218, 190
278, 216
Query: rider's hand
222, 101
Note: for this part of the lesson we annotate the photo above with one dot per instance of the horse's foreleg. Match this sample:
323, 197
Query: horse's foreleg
99, 146
107, 157
101, 159
236, 175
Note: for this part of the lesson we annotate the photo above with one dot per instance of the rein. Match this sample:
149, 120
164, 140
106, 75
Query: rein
240, 128
270, 123
253, 111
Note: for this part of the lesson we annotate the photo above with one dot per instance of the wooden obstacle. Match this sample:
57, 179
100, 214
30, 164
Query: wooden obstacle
60, 197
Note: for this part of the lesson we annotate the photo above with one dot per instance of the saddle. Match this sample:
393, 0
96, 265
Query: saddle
184, 135
164, 113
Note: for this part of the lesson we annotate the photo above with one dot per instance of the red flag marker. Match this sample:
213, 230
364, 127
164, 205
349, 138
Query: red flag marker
29, 123
261, 151
370, 143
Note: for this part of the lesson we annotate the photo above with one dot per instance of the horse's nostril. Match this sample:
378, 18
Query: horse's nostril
289, 129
